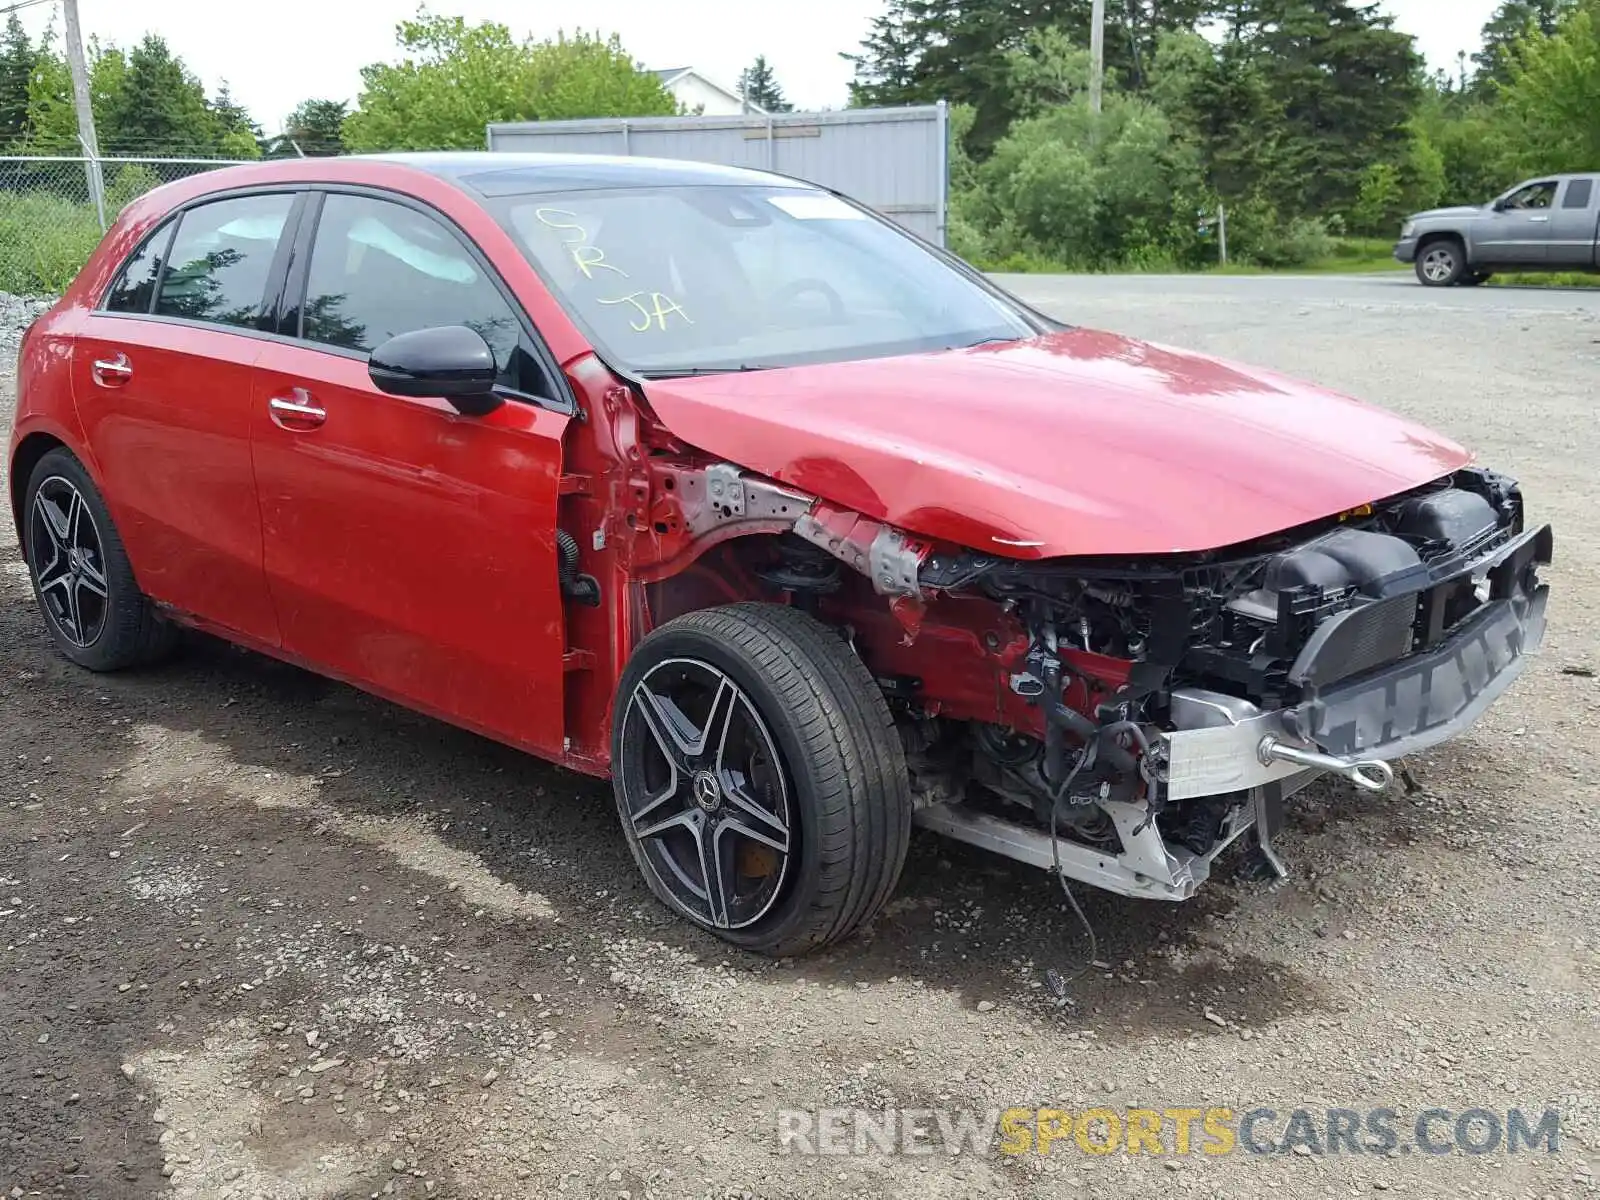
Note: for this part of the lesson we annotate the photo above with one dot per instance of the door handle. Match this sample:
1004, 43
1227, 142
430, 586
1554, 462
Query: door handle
111, 372
1540, 220
296, 412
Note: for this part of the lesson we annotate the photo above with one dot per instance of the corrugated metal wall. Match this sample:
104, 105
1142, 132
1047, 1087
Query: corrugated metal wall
892, 159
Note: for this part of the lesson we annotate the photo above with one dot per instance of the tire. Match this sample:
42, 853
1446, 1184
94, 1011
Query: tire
1441, 263
822, 761
82, 579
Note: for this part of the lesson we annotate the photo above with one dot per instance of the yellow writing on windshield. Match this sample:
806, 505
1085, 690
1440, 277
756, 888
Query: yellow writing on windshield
590, 257
544, 215
651, 309
652, 312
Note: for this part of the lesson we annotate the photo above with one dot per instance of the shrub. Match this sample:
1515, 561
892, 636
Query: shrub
1298, 242
1090, 190
44, 240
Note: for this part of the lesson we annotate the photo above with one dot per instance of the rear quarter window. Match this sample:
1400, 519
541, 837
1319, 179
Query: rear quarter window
135, 285
1579, 193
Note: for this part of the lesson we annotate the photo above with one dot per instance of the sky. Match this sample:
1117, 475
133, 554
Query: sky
291, 50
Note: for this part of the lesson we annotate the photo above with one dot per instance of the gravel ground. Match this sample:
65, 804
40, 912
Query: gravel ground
263, 936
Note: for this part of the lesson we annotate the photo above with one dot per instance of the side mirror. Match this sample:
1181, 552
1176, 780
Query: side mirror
449, 361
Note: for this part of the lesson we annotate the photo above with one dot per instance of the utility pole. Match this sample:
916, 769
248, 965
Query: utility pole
80, 101
1097, 54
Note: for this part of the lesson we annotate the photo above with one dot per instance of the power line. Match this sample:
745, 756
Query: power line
19, 5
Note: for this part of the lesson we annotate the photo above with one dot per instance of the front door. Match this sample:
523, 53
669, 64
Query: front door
1518, 232
162, 375
408, 548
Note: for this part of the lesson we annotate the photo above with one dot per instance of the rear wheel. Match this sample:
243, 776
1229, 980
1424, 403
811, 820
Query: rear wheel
81, 575
1441, 263
759, 777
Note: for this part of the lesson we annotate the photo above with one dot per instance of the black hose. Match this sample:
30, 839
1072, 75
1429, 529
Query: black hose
566, 560
1074, 720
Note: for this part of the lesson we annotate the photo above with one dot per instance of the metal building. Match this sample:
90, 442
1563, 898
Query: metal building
895, 160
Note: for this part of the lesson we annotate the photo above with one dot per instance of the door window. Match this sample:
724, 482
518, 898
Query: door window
135, 284
1535, 195
1579, 193
379, 269
221, 259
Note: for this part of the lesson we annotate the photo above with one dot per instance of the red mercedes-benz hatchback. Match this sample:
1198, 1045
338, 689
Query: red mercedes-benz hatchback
796, 527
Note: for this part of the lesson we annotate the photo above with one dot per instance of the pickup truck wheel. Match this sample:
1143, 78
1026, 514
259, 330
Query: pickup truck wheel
1441, 264
760, 780
81, 575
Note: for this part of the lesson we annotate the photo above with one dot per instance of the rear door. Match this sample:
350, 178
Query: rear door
408, 548
1518, 234
1574, 222
162, 374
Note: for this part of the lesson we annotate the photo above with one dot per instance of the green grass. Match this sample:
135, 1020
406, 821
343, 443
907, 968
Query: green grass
1351, 256
43, 241
1543, 279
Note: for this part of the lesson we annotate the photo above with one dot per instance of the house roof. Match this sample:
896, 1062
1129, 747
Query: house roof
671, 75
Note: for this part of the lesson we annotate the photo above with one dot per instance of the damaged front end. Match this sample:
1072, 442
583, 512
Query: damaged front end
1333, 649
1123, 721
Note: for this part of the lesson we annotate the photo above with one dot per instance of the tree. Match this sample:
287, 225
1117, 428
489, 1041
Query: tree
759, 86
158, 107
1048, 70
1347, 84
1510, 22
887, 67
964, 51
146, 103
1219, 100
455, 79
52, 126
236, 135
313, 129
1088, 189
17, 59
1553, 96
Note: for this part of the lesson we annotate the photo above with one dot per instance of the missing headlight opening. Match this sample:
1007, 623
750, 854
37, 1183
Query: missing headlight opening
1183, 699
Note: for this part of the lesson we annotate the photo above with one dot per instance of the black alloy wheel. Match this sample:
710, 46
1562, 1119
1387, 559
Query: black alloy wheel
759, 777
706, 794
69, 562
82, 578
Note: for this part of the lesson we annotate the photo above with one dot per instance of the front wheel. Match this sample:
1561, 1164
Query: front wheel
760, 780
1441, 264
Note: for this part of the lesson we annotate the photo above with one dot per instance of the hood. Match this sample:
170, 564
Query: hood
1460, 210
1078, 442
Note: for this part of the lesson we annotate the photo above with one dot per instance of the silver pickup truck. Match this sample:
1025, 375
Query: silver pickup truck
1548, 224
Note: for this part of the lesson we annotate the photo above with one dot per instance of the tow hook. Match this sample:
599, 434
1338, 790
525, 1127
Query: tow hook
1370, 775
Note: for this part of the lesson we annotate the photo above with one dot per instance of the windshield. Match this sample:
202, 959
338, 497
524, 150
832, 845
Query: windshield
689, 279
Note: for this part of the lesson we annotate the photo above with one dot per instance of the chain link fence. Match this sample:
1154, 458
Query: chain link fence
51, 217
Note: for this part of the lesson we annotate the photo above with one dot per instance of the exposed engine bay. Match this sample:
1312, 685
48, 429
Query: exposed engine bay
1123, 721
1250, 672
